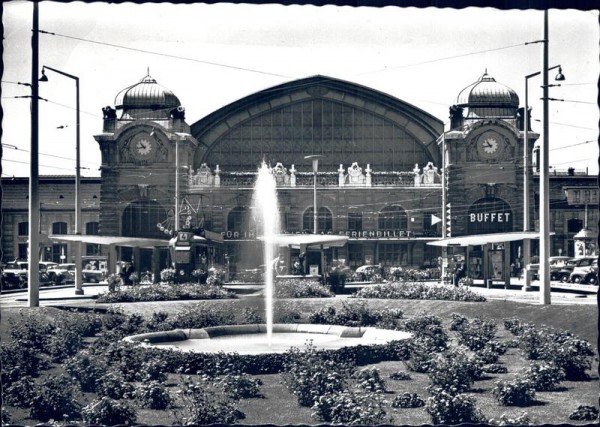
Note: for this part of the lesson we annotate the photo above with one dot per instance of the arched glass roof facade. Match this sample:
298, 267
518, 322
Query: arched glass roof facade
345, 122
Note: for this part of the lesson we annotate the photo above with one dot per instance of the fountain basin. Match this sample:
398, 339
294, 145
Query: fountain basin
252, 339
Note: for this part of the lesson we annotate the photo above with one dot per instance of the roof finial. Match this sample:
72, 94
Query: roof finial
483, 73
148, 74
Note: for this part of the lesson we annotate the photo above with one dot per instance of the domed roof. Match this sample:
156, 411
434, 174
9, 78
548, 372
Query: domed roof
486, 92
146, 95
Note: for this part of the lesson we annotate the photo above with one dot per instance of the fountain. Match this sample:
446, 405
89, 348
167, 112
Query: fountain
266, 214
271, 337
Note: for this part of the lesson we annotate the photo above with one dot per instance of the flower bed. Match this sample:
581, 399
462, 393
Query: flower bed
166, 292
301, 288
409, 290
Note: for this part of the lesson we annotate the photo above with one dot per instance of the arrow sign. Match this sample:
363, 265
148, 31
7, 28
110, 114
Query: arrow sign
435, 219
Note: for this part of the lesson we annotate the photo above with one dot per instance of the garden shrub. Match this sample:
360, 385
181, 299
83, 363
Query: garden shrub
408, 400
107, 411
205, 403
350, 407
429, 329
153, 395
354, 313
420, 291
454, 371
31, 328
63, 344
518, 392
19, 359
370, 380
490, 353
505, 420
54, 400
570, 353
421, 358
5, 416
301, 288
19, 393
515, 326
167, 275
400, 376
286, 313
457, 321
475, 334
113, 385
251, 316
494, 368
199, 316
544, 376
446, 408
585, 413
152, 370
241, 386
84, 324
308, 375
158, 321
85, 370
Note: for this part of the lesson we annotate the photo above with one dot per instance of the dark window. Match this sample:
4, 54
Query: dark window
59, 253
392, 218
574, 225
324, 220
394, 255
430, 229
23, 250
59, 228
23, 228
355, 221
91, 228
236, 220
355, 255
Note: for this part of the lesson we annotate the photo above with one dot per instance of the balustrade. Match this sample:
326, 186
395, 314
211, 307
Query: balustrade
353, 177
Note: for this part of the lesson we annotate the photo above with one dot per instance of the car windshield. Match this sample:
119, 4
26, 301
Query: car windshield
16, 266
585, 262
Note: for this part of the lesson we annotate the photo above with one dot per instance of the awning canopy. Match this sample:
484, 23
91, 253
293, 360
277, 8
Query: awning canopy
298, 240
482, 239
133, 242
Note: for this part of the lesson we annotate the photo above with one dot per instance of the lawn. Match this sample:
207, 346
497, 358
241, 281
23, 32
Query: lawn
278, 406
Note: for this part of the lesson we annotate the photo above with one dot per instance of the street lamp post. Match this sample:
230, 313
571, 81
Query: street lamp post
526, 170
78, 272
315, 166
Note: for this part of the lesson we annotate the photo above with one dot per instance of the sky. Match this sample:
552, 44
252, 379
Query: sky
213, 55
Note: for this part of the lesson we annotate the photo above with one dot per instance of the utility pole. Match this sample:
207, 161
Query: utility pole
33, 268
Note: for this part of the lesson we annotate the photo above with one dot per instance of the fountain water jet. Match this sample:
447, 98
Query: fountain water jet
266, 212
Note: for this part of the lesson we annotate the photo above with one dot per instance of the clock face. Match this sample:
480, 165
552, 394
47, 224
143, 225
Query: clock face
143, 147
488, 146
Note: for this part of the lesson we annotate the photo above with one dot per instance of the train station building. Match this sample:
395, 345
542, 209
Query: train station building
379, 183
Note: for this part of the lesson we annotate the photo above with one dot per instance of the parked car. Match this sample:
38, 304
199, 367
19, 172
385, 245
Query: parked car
582, 267
592, 276
557, 264
64, 274
14, 275
564, 273
365, 272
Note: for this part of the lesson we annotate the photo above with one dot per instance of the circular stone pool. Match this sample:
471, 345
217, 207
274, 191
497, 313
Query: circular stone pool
252, 339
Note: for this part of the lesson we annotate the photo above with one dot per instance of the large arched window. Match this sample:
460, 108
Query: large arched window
140, 219
324, 220
59, 227
236, 219
392, 218
489, 215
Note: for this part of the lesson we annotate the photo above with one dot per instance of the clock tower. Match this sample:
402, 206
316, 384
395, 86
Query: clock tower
146, 146
484, 158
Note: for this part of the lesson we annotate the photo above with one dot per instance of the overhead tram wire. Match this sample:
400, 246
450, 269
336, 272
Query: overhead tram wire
183, 58
442, 59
